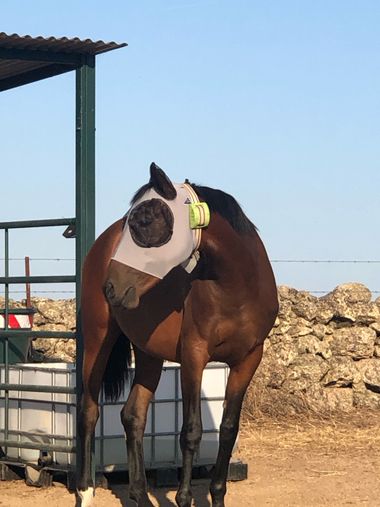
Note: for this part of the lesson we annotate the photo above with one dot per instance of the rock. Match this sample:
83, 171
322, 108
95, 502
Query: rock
329, 400
306, 369
363, 398
350, 293
285, 299
360, 313
65, 350
287, 293
50, 311
338, 400
356, 342
285, 351
305, 306
314, 399
54, 315
370, 374
271, 373
285, 309
376, 326
309, 344
324, 312
299, 330
352, 302
319, 330
281, 330
54, 350
342, 372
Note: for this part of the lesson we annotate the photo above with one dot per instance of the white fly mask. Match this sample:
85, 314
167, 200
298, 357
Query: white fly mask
186, 216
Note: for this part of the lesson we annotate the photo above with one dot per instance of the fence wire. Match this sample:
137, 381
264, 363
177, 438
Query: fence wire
273, 261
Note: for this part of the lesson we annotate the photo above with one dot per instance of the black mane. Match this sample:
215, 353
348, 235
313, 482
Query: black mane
227, 206
218, 202
140, 192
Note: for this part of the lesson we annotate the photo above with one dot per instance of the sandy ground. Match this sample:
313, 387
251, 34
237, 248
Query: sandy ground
304, 463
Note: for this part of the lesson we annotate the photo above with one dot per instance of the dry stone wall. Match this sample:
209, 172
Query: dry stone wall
324, 351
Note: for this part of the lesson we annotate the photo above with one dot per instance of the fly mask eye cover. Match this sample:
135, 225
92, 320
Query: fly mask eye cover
151, 223
155, 246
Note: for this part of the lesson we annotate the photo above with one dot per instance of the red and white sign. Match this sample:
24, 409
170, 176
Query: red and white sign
16, 321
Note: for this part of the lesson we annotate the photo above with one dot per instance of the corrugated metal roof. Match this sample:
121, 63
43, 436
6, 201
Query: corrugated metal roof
24, 59
58, 45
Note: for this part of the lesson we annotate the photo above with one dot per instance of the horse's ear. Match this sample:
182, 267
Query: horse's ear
161, 183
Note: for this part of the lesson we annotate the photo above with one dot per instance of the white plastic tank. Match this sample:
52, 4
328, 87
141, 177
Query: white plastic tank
50, 418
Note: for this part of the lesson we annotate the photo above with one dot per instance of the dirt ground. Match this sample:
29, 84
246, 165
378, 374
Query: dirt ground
291, 463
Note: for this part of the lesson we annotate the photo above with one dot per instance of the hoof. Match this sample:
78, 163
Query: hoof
143, 501
85, 497
184, 499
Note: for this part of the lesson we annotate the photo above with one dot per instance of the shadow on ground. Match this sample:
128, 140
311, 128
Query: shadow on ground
164, 497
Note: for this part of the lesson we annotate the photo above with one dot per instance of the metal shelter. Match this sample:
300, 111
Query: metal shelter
24, 60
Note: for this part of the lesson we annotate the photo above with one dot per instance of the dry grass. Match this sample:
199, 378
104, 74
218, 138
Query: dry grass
274, 421
359, 431
263, 402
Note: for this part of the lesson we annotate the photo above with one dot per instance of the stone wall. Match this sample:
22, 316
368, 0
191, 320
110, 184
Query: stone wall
322, 354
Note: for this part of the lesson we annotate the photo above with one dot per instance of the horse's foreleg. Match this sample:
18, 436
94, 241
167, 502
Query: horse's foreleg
98, 343
191, 433
133, 416
238, 381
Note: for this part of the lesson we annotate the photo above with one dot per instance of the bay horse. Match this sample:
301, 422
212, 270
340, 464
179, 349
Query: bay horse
177, 280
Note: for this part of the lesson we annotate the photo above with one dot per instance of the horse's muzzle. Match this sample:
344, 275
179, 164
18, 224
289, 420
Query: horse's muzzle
125, 286
128, 299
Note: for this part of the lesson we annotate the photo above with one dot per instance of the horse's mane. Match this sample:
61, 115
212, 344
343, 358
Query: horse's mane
227, 206
140, 192
219, 202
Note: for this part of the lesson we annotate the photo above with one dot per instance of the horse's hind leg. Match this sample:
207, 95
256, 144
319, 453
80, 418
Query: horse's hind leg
99, 339
238, 381
133, 416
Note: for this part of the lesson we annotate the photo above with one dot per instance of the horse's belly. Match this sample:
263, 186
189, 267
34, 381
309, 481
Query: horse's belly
232, 352
233, 340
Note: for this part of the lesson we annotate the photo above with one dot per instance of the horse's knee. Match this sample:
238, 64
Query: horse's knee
133, 424
88, 417
190, 437
228, 431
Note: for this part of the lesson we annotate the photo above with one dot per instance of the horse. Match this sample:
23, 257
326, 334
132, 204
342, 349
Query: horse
184, 277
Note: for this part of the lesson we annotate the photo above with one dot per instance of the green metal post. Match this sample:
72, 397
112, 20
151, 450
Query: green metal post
6, 341
85, 162
85, 199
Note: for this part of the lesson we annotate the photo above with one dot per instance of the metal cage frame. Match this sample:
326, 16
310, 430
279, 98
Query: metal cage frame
24, 60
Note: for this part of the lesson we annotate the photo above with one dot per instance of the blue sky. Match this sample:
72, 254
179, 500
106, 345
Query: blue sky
275, 102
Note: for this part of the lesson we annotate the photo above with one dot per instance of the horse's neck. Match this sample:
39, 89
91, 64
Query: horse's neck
230, 256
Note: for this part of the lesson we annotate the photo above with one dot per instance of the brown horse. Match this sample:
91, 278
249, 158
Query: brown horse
221, 308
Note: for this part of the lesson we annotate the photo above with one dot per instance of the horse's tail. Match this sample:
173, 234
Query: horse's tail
116, 374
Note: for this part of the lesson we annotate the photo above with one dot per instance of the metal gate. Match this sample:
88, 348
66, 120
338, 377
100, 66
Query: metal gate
25, 60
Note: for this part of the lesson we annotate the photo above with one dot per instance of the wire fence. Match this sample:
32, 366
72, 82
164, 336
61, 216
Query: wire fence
315, 261
273, 261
